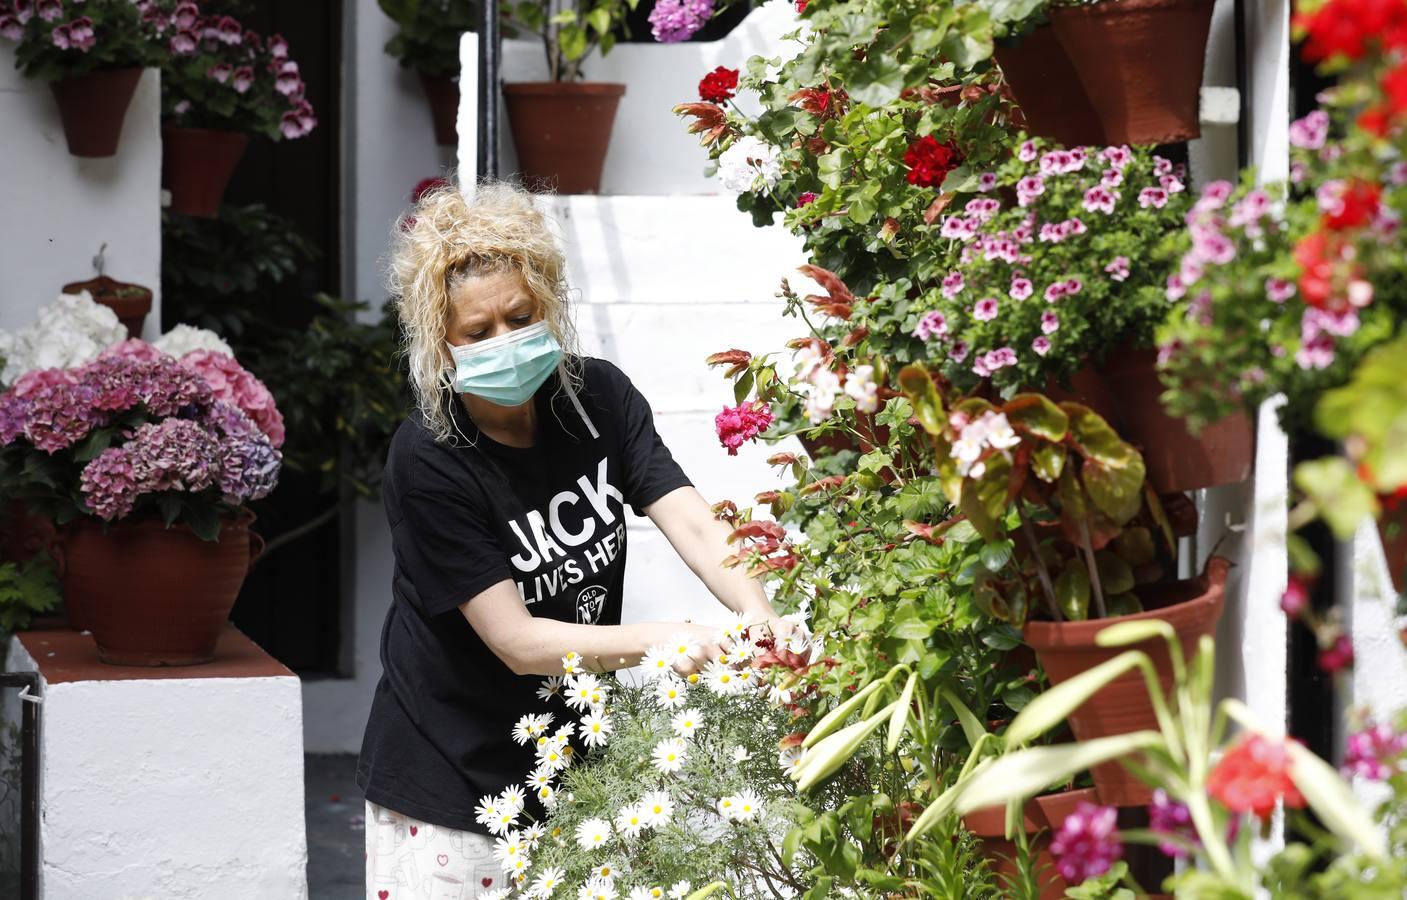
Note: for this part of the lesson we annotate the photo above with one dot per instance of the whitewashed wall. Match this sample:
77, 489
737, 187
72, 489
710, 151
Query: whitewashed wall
57, 209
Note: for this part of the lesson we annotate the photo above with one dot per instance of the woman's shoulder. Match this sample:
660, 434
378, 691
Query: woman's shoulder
416, 461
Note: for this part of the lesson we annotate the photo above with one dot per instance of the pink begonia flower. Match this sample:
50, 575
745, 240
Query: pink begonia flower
987, 181
1154, 197
231, 381
243, 79
933, 324
958, 352
220, 72
1112, 178
1050, 322
953, 284
1118, 269
1028, 189
1118, 156
1100, 199
1027, 151
1278, 290
985, 310
1041, 345
1021, 288
1310, 132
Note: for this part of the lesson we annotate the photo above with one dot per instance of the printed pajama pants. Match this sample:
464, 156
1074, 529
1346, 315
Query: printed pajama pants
407, 859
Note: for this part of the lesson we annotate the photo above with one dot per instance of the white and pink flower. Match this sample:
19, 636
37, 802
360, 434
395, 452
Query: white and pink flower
1100, 199
1118, 269
1021, 288
985, 310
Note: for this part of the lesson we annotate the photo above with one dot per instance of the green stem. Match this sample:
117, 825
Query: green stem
1087, 547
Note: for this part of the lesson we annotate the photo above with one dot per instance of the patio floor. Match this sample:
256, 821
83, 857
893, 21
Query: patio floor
336, 849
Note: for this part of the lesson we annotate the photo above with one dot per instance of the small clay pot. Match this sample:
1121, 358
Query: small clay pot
442, 93
1140, 65
1066, 649
561, 131
1392, 529
131, 302
196, 166
1043, 80
1042, 817
92, 108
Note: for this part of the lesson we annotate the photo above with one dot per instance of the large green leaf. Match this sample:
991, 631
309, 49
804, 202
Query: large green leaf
1025, 773
1035, 414
922, 393
1072, 591
833, 720
1048, 461
1334, 801
1115, 575
1054, 705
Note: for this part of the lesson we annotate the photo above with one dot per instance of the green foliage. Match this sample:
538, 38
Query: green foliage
570, 31
26, 590
121, 39
428, 31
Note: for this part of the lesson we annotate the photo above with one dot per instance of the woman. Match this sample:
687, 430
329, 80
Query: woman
506, 492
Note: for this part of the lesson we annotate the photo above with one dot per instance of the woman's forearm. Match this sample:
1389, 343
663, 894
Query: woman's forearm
702, 542
538, 647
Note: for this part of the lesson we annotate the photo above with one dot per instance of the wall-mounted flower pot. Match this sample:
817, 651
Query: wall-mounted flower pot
1177, 460
131, 302
196, 166
442, 92
1140, 63
1048, 90
92, 108
1042, 816
561, 131
151, 595
1066, 649
1392, 529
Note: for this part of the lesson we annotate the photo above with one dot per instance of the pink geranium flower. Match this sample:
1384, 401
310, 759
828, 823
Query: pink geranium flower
933, 324
1041, 345
985, 310
1154, 197
1021, 288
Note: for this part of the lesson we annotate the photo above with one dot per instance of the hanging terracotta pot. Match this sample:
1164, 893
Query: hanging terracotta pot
1042, 817
1140, 63
151, 595
872, 435
1065, 649
1043, 80
131, 302
196, 166
442, 91
1392, 529
561, 131
1084, 386
1177, 460
92, 108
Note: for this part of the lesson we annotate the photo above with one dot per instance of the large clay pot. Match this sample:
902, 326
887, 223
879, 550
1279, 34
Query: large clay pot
1140, 63
561, 131
1042, 817
196, 166
92, 108
1066, 649
1045, 84
1392, 529
151, 595
131, 302
1177, 460
442, 92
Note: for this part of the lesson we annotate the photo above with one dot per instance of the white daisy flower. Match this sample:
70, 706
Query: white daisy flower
547, 881
778, 695
657, 807
686, 723
551, 687
669, 755
597, 888
595, 727
680, 890
740, 754
521, 731
503, 823
669, 692
580, 691
656, 893
743, 650
563, 734
721, 680
517, 867
593, 833
541, 777
495, 894
748, 804
605, 871
736, 626
486, 811
512, 798
639, 893
727, 806
746, 678
571, 663
681, 647
631, 820
507, 849
547, 796
658, 662
788, 758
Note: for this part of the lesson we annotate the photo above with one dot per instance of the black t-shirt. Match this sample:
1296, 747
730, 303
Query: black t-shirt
550, 517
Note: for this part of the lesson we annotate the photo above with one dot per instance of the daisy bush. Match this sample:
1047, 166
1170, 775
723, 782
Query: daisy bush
652, 784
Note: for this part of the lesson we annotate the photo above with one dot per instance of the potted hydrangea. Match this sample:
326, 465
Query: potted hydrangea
222, 82
92, 54
146, 463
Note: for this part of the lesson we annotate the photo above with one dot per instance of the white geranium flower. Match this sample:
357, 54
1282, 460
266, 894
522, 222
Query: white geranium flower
593, 833
669, 692
658, 662
750, 164
547, 881
631, 820
820, 396
183, 339
860, 385
595, 728
669, 755
657, 807
686, 723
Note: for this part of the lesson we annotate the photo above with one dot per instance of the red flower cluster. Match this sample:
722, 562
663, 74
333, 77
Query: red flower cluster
930, 162
719, 85
741, 423
1252, 776
1358, 206
1330, 278
1350, 28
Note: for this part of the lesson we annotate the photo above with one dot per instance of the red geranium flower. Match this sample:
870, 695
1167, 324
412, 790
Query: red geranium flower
1358, 205
1349, 28
930, 162
1253, 775
719, 85
425, 186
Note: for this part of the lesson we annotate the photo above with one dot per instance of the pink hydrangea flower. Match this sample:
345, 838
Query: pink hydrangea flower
1021, 288
933, 324
1087, 843
741, 423
231, 381
985, 310
133, 348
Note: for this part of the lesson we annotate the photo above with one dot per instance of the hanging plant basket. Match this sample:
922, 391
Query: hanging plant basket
92, 108
1140, 64
1042, 817
151, 595
561, 131
196, 166
1177, 460
442, 92
1066, 649
1043, 79
131, 302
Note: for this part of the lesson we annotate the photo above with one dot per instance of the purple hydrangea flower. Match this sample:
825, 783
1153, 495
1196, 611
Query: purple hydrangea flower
61, 415
1087, 843
175, 455
672, 21
111, 484
14, 412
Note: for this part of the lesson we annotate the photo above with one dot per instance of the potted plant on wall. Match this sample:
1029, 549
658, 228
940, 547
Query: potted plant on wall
222, 83
145, 462
92, 55
427, 40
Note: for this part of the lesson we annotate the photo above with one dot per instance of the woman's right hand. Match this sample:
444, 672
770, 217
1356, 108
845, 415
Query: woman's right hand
706, 641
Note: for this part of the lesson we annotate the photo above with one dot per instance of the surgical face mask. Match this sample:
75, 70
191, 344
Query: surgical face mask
508, 369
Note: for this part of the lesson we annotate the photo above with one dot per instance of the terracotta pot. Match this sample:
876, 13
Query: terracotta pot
1392, 529
1140, 63
154, 596
1042, 817
196, 165
1066, 649
561, 131
1221, 453
1087, 387
92, 108
442, 91
131, 302
1043, 80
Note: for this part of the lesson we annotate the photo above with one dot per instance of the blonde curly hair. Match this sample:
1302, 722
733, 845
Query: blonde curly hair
447, 239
